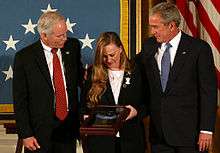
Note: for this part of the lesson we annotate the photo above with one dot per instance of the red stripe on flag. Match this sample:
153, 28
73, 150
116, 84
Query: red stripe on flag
212, 31
187, 15
216, 4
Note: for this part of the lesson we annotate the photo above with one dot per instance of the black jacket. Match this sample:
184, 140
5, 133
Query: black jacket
132, 133
188, 104
34, 95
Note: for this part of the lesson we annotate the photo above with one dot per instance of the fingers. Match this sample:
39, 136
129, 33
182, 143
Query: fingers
36, 144
205, 141
30, 146
133, 112
204, 145
31, 143
85, 117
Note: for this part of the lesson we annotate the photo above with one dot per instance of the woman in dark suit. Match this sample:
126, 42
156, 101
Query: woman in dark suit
115, 81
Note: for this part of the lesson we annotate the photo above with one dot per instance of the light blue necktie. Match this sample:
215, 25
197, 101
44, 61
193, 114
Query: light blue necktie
165, 66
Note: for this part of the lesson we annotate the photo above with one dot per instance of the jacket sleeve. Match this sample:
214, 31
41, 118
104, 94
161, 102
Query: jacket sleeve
207, 88
20, 96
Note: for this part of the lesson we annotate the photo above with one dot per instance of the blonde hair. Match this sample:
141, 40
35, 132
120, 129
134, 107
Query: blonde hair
99, 72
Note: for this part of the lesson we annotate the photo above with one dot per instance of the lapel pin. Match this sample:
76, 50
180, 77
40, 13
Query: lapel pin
67, 53
127, 80
124, 85
183, 53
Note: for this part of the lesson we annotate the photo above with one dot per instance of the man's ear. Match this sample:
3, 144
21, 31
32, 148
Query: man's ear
172, 25
43, 36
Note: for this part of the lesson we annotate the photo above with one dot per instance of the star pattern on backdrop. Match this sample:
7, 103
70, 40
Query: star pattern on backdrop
49, 8
11, 43
87, 42
8, 73
70, 25
29, 27
23, 32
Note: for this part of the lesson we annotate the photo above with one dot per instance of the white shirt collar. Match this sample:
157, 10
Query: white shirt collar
45, 47
174, 42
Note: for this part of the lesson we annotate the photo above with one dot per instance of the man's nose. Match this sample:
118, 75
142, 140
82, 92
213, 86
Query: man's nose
108, 59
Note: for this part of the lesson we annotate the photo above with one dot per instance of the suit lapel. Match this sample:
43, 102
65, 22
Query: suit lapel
154, 65
108, 98
66, 65
42, 63
124, 86
180, 58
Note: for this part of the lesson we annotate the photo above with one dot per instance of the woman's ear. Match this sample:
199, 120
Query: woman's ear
120, 49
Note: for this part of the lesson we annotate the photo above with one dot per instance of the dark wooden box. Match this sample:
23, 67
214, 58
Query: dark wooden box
104, 120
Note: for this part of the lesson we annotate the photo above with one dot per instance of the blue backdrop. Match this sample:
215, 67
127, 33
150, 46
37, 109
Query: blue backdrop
86, 19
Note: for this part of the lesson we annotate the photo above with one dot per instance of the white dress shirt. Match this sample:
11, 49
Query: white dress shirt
115, 78
174, 45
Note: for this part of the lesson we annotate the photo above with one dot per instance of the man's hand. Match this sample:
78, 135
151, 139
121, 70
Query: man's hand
133, 112
205, 141
31, 143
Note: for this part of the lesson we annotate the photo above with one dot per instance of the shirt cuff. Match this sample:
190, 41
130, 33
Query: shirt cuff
206, 132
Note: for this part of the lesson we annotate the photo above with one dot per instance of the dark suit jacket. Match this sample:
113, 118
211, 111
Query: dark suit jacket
132, 133
34, 96
188, 104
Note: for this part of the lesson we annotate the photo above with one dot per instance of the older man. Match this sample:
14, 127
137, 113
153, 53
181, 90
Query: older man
46, 76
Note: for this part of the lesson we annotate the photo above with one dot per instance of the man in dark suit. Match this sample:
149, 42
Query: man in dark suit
43, 77
182, 82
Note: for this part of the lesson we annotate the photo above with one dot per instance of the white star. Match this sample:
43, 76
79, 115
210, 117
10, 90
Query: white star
11, 43
49, 9
29, 27
69, 25
9, 73
87, 42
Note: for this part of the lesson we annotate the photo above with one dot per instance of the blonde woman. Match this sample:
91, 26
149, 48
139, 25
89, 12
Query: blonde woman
115, 81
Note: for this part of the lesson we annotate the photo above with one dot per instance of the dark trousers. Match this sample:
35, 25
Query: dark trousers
56, 147
101, 144
118, 145
165, 148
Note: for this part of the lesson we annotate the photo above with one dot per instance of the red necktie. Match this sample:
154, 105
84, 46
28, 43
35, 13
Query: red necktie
60, 96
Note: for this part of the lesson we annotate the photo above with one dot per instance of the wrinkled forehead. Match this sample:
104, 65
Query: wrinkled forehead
111, 48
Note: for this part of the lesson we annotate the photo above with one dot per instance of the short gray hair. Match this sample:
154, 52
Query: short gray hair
47, 21
168, 11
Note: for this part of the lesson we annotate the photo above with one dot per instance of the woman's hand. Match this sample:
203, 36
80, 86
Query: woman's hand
133, 112
85, 117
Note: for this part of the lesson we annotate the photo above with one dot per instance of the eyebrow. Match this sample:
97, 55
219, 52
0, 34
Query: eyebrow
112, 53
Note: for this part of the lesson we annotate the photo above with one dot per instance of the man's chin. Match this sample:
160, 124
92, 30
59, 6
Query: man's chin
159, 40
60, 46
